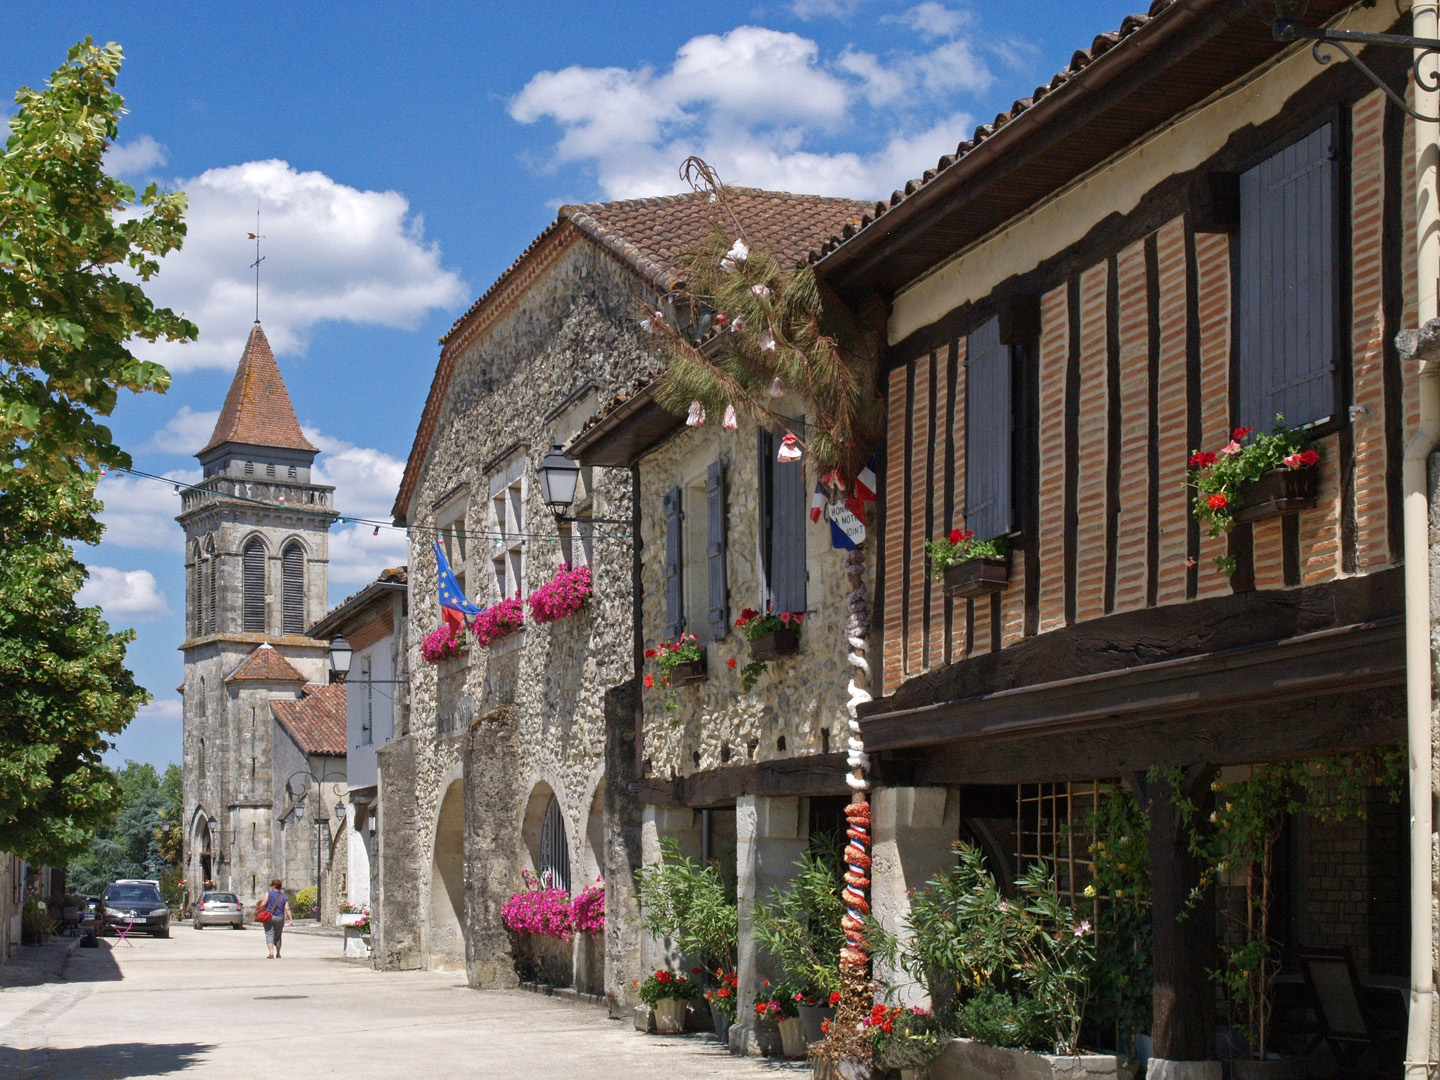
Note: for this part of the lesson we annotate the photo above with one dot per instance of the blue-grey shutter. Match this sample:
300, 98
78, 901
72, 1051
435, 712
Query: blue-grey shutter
717, 620
674, 581
764, 471
788, 506
253, 585
292, 580
1287, 285
989, 420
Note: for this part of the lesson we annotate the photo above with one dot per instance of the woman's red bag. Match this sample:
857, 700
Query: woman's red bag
263, 915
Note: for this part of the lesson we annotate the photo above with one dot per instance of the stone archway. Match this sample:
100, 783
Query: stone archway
202, 855
445, 939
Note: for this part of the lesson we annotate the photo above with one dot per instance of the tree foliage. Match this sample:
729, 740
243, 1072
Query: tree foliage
742, 319
73, 243
63, 680
134, 845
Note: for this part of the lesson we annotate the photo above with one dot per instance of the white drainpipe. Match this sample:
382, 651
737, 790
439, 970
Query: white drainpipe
1418, 659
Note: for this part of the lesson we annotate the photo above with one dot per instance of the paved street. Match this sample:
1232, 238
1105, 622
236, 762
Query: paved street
209, 1004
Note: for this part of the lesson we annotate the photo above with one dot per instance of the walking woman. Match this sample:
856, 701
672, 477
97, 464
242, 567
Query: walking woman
278, 905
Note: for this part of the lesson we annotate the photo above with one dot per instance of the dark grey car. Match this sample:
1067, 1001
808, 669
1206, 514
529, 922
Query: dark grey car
137, 904
219, 909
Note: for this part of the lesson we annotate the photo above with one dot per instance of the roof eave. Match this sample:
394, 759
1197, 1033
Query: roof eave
352, 608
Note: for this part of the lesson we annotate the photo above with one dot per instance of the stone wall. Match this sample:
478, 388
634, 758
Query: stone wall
524, 718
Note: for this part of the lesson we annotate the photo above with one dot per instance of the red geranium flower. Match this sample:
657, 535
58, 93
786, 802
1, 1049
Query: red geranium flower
1240, 432
649, 681
730, 662
724, 991
954, 536
1217, 501
1202, 459
693, 971
650, 654
834, 998
1309, 457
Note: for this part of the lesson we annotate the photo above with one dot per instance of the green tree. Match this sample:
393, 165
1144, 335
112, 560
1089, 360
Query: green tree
73, 243
134, 844
63, 679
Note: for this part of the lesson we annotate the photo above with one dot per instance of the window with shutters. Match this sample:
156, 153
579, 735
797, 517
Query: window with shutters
212, 567
1287, 352
451, 522
253, 587
784, 513
696, 558
989, 434
674, 517
292, 562
197, 591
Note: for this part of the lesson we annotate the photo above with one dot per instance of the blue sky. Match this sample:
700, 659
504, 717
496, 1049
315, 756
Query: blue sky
403, 155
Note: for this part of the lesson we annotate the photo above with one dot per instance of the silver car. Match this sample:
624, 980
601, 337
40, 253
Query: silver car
219, 909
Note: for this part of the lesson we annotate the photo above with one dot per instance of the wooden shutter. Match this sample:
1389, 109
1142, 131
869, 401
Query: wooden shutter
197, 598
788, 506
989, 421
254, 588
1287, 285
293, 588
717, 621
674, 580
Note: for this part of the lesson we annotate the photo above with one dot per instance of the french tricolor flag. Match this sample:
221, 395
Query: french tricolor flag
865, 484
817, 504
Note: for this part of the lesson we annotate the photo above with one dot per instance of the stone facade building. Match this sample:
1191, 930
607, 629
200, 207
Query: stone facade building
503, 766
256, 574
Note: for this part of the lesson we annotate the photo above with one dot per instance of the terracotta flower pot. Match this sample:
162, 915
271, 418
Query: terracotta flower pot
775, 644
977, 577
792, 1037
1277, 492
669, 1016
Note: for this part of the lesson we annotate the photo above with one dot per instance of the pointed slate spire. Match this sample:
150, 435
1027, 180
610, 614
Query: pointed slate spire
257, 409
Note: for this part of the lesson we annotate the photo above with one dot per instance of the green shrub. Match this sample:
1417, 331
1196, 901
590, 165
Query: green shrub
800, 926
689, 904
995, 1018
303, 904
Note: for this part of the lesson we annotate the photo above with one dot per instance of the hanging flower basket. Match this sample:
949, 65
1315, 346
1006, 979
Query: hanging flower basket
977, 577
562, 596
445, 642
681, 663
1279, 491
499, 621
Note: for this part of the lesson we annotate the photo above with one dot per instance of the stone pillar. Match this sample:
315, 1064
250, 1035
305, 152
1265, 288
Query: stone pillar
914, 830
396, 905
493, 804
624, 814
770, 833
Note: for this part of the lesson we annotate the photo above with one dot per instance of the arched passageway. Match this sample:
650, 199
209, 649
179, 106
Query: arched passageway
445, 938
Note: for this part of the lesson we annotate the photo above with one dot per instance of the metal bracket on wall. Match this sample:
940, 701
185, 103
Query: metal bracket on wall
1288, 31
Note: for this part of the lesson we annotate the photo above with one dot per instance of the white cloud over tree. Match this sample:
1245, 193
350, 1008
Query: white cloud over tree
125, 596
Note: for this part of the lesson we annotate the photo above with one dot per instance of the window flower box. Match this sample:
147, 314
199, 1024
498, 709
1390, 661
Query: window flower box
977, 577
1279, 491
681, 663
687, 672
775, 644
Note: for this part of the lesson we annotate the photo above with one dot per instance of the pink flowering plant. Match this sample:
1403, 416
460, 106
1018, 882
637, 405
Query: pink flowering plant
498, 621
563, 595
539, 910
587, 911
357, 909
445, 642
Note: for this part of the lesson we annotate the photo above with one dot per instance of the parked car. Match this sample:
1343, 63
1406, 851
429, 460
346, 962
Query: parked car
135, 903
219, 909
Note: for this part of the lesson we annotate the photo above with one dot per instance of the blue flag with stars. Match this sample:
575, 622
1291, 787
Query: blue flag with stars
454, 607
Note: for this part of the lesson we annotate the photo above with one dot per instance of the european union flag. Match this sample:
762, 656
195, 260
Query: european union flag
454, 608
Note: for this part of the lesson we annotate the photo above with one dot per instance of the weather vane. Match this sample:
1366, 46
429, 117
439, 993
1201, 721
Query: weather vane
256, 264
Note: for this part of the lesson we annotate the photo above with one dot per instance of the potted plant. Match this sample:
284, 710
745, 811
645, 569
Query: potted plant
354, 915
542, 922
445, 642
499, 621
800, 928
779, 1004
681, 663
667, 994
969, 567
1266, 477
905, 1040
771, 636
723, 1001
563, 595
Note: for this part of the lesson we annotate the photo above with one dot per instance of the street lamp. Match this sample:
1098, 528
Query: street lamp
559, 476
340, 656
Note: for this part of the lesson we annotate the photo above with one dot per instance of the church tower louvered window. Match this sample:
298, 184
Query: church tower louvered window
254, 585
212, 568
293, 567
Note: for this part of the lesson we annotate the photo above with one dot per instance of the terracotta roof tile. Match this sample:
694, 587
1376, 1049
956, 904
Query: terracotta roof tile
265, 664
1081, 59
257, 409
317, 720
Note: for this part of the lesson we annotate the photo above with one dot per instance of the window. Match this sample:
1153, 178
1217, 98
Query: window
213, 566
1288, 285
554, 865
249, 468
696, 593
507, 526
783, 514
197, 592
577, 540
293, 588
253, 583
452, 525
367, 706
989, 424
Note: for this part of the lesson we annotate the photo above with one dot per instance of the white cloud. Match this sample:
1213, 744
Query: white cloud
185, 432
167, 710
756, 103
135, 157
365, 482
816, 9
931, 20
332, 252
140, 512
125, 596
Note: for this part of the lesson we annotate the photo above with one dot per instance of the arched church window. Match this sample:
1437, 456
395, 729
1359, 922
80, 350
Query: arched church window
554, 848
254, 587
212, 568
293, 581
197, 593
